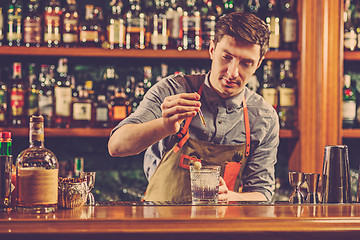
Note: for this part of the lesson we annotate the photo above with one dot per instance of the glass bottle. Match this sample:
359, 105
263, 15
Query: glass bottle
2, 33
17, 97
268, 87
52, 23
90, 30
120, 106
70, 25
116, 25
287, 96
289, 25
349, 103
138, 95
46, 93
37, 173
253, 6
173, 15
135, 26
101, 109
208, 22
32, 25
191, 27
82, 109
272, 19
147, 77
62, 96
159, 36
350, 37
6, 170
32, 95
3, 102
14, 20
228, 7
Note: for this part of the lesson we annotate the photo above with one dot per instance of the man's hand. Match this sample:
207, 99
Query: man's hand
178, 107
223, 192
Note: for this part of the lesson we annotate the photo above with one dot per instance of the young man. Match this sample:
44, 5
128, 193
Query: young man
241, 133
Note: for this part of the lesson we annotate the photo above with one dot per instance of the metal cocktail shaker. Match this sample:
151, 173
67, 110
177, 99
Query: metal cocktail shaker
336, 175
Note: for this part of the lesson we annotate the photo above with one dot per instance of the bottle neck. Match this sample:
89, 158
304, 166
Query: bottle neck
36, 135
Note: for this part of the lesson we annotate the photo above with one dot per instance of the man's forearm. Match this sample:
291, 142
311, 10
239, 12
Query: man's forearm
132, 139
247, 196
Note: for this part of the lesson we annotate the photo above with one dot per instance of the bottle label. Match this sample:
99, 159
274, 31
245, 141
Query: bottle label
45, 105
52, 27
89, 36
82, 111
116, 31
102, 114
350, 40
32, 31
70, 38
2, 97
37, 186
274, 26
349, 110
270, 95
62, 101
289, 30
17, 101
287, 97
52, 37
32, 105
119, 112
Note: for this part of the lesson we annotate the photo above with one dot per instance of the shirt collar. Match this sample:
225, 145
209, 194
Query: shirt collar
231, 104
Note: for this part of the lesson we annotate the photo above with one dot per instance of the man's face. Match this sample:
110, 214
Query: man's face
233, 63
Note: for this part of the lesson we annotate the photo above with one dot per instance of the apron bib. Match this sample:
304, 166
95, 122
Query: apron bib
171, 179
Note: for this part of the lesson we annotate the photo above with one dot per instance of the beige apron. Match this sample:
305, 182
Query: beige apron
171, 179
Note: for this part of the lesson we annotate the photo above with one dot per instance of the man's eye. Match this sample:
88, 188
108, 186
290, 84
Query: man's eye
247, 64
227, 57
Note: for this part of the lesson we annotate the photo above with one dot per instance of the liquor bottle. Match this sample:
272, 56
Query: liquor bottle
159, 37
191, 27
110, 78
70, 25
138, 95
32, 25
101, 109
3, 102
208, 22
52, 23
130, 87
78, 166
32, 95
120, 106
135, 26
62, 96
116, 25
268, 87
17, 97
272, 19
82, 110
98, 16
287, 96
253, 6
228, 7
6, 170
350, 37
173, 15
2, 33
90, 31
289, 25
46, 93
349, 103
14, 20
37, 173
147, 77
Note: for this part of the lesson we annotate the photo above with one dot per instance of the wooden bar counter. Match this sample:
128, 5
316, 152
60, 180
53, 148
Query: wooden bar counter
233, 221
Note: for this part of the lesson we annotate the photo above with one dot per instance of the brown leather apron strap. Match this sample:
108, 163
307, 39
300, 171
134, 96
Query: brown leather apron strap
247, 128
184, 133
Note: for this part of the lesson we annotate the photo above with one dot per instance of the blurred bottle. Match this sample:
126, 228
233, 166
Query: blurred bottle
6, 162
2, 33
350, 37
138, 95
173, 15
17, 97
269, 87
120, 107
70, 25
46, 93
191, 27
135, 26
3, 102
32, 95
37, 172
32, 25
130, 88
289, 25
147, 77
253, 6
82, 109
52, 23
116, 25
78, 166
349, 103
159, 36
101, 109
287, 96
90, 30
14, 20
272, 19
208, 22
62, 95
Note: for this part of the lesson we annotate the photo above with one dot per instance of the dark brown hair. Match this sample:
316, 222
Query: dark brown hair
243, 27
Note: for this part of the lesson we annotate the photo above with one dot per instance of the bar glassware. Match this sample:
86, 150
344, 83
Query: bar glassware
296, 179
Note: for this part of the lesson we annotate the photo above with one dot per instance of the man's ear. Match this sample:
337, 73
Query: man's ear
212, 49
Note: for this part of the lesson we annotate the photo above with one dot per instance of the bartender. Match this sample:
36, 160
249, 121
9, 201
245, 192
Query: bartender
211, 118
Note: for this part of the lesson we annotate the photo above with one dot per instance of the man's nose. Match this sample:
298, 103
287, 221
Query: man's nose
233, 69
